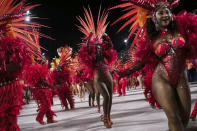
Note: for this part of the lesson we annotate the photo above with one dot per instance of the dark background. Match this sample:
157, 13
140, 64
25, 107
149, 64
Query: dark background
61, 17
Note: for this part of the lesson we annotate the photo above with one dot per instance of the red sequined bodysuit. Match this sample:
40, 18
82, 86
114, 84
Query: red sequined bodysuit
172, 57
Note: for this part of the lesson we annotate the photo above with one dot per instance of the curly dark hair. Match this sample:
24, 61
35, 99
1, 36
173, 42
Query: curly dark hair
151, 31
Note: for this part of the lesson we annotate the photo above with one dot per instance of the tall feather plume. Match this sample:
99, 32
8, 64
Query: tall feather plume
87, 24
88, 27
76, 64
13, 13
101, 23
65, 58
136, 18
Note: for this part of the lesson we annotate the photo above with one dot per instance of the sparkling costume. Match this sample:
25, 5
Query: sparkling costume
61, 77
97, 54
13, 51
167, 57
15, 48
162, 56
37, 76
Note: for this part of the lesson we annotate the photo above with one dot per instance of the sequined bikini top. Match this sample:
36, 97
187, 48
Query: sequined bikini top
163, 48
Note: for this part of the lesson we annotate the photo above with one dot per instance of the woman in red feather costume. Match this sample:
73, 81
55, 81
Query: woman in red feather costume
38, 78
62, 77
15, 48
96, 54
13, 56
165, 42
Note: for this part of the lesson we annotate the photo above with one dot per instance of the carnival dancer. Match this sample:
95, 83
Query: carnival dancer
96, 54
82, 77
13, 57
15, 46
37, 76
164, 43
61, 76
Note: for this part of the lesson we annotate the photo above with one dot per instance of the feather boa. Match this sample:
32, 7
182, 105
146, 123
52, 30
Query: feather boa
110, 56
187, 26
108, 52
87, 56
61, 77
11, 96
147, 79
145, 54
65, 94
34, 73
40, 95
12, 51
84, 75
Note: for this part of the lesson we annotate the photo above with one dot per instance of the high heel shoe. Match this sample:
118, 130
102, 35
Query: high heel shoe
107, 122
109, 118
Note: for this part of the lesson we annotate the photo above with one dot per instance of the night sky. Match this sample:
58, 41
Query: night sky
61, 17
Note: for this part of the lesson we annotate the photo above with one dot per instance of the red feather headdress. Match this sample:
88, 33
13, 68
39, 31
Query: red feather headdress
65, 58
88, 28
66, 61
13, 14
137, 13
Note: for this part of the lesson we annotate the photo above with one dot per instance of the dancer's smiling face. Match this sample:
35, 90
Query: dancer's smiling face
163, 17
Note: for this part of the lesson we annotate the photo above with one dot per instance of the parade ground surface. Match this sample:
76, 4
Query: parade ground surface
129, 113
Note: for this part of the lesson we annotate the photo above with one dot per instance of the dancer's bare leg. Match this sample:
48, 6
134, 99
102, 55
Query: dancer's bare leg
184, 99
98, 102
166, 95
106, 102
109, 85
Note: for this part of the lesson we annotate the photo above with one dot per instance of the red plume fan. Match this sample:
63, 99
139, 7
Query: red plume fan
88, 27
134, 16
87, 24
13, 14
